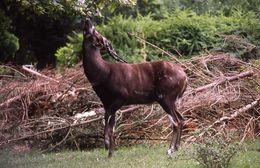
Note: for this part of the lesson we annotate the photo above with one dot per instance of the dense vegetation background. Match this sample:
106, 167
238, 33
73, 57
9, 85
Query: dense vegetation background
49, 32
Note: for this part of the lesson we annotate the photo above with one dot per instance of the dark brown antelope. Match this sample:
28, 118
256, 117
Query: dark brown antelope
119, 84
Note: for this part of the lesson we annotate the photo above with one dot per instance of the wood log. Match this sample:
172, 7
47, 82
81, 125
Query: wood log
38, 74
238, 112
223, 80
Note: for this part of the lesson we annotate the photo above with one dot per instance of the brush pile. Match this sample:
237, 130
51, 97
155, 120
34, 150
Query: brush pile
53, 111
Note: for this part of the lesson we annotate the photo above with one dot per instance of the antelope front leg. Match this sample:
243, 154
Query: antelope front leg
109, 126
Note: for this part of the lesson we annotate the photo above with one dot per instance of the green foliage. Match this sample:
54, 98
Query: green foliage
248, 156
42, 27
9, 43
74, 7
69, 54
245, 28
215, 152
199, 6
183, 30
116, 31
5, 22
248, 25
187, 32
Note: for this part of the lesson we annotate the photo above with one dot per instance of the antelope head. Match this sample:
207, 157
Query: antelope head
89, 28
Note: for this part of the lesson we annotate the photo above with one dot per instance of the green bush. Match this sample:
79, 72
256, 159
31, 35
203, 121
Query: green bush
185, 31
188, 33
69, 55
9, 43
215, 152
129, 48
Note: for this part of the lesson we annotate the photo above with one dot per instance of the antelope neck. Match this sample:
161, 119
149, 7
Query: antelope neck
96, 69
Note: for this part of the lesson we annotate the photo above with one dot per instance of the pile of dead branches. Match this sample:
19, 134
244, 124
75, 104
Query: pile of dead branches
51, 110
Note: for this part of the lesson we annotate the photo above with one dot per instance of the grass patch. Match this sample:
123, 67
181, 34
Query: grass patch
249, 157
136, 156
152, 156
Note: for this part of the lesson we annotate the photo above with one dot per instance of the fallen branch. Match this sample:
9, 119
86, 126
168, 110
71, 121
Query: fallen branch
70, 125
38, 74
13, 69
223, 80
232, 116
130, 109
51, 106
247, 128
238, 112
10, 100
13, 99
55, 129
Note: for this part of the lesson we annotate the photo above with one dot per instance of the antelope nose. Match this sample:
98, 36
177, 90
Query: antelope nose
87, 20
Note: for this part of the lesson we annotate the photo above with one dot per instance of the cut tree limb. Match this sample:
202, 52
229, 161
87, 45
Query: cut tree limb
238, 112
70, 125
56, 129
38, 74
13, 69
223, 80
10, 100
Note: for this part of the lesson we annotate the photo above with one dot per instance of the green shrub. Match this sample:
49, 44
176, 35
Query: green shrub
9, 43
215, 153
129, 48
183, 30
69, 55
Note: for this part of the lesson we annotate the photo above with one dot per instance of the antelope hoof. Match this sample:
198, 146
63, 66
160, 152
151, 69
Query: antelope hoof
169, 152
110, 154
